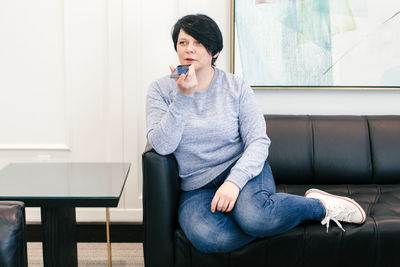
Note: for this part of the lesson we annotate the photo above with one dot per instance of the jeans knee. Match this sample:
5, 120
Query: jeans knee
210, 242
258, 224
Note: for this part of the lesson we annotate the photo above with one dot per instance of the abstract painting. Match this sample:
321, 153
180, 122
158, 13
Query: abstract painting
317, 43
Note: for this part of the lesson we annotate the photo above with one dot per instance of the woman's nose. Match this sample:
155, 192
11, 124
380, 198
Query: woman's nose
190, 48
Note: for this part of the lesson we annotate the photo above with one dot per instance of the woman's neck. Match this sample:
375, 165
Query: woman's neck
204, 78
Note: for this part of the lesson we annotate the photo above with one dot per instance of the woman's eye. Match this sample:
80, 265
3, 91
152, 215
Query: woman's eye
182, 42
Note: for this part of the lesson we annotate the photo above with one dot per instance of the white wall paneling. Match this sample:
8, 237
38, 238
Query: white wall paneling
63, 96
33, 108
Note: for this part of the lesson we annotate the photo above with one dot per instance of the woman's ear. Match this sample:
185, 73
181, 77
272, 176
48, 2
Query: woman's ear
216, 55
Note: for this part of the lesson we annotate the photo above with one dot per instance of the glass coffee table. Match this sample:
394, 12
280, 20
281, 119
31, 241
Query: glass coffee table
58, 188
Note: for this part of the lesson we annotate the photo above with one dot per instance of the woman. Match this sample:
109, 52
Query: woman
211, 122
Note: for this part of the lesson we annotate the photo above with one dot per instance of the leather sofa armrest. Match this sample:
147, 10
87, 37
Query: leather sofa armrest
160, 207
12, 234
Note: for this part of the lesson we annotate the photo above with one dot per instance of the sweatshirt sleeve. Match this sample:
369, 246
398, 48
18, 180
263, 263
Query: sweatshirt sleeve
253, 133
165, 119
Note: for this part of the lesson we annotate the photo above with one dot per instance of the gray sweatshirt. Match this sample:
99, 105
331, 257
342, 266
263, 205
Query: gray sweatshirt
210, 131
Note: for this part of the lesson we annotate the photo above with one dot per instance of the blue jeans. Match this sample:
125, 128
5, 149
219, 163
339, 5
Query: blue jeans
259, 211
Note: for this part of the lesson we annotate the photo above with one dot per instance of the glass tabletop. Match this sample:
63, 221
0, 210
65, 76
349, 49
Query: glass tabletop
63, 180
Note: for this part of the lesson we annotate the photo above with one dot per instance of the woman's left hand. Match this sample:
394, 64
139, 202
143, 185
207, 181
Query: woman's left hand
225, 198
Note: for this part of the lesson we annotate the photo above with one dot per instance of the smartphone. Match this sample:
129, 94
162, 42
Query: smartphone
180, 69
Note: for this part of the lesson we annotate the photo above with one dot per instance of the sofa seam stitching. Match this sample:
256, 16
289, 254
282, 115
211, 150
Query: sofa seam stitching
370, 149
312, 150
377, 240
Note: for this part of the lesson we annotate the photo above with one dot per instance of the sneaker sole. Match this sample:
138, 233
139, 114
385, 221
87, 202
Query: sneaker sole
313, 190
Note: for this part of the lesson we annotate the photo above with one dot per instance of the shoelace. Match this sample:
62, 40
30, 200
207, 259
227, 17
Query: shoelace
336, 215
326, 221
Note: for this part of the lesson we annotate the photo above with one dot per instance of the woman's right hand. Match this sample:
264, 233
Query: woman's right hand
187, 83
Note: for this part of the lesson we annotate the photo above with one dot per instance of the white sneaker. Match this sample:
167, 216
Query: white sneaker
338, 208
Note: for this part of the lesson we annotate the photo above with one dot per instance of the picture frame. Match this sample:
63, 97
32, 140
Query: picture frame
316, 44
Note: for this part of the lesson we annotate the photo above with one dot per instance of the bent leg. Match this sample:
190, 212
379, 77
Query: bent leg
209, 232
259, 211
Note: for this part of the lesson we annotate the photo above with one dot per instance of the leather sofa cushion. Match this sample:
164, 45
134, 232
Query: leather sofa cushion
341, 150
334, 149
291, 146
385, 148
372, 244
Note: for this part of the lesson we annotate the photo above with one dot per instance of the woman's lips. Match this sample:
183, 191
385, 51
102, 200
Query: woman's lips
189, 60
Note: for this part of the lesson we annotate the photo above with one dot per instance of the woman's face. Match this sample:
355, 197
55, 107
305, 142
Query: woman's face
190, 51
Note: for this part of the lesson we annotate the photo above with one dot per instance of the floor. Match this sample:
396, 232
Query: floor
95, 254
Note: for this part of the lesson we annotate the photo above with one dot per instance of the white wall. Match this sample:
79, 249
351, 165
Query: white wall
77, 72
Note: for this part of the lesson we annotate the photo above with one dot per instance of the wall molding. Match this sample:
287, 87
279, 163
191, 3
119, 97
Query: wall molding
63, 147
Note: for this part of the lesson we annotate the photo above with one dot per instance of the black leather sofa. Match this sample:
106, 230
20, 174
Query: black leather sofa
354, 156
12, 234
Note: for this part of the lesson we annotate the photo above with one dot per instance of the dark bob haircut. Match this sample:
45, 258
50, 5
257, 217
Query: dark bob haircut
203, 29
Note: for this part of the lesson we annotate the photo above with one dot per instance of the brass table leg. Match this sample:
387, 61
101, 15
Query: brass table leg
108, 237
